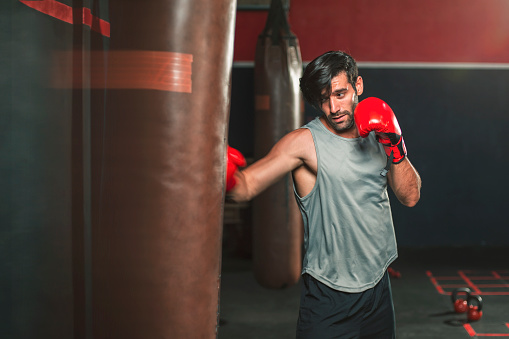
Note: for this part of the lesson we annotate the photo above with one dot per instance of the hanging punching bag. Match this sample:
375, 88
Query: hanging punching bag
157, 223
277, 223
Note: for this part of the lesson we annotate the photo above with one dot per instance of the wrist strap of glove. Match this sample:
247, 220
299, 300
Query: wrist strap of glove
387, 167
400, 150
394, 143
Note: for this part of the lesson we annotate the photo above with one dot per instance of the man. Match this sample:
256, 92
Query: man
341, 164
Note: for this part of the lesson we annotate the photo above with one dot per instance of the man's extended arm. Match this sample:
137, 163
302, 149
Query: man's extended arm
284, 157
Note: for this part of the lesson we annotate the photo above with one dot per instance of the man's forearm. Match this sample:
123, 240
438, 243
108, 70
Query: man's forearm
405, 182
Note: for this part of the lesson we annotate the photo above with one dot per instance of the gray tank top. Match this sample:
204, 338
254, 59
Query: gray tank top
349, 238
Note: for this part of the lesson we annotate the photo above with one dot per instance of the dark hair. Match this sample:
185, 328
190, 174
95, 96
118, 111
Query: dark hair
319, 73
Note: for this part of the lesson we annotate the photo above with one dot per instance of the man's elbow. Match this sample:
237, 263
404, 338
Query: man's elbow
411, 201
239, 193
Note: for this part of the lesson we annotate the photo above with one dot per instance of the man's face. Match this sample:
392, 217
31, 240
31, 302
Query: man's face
340, 104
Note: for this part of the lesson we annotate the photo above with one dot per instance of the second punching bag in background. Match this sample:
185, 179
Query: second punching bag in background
277, 223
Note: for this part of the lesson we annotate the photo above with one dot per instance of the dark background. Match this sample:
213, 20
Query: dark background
454, 122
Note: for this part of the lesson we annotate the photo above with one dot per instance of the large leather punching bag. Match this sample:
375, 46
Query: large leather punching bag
157, 231
277, 223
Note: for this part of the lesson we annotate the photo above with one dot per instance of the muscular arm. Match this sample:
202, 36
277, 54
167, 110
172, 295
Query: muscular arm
405, 182
373, 114
286, 155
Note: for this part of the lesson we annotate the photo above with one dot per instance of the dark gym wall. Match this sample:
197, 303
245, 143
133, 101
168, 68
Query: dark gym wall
450, 97
35, 178
454, 122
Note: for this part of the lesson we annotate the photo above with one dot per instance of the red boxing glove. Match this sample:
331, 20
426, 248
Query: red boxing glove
373, 114
233, 161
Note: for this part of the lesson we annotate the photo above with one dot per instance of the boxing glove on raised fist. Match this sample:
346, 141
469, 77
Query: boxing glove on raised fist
234, 160
373, 114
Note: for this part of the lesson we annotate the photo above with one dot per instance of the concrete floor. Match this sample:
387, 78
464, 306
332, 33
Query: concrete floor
249, 311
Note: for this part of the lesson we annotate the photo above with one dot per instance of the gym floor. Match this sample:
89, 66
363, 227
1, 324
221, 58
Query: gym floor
422, 296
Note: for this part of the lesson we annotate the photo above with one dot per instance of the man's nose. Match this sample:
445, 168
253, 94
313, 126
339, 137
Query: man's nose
335, 107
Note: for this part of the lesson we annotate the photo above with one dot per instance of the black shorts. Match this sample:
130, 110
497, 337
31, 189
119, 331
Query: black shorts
326, 313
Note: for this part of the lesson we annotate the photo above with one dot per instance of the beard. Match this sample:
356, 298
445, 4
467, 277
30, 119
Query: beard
346, 124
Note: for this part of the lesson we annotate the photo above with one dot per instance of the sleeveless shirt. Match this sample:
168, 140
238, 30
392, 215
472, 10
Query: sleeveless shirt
349, 238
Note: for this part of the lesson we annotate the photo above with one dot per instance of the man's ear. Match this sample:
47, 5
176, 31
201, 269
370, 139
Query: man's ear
359, 85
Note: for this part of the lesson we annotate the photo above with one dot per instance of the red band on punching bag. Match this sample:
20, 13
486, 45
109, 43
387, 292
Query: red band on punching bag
164, 71
262, 102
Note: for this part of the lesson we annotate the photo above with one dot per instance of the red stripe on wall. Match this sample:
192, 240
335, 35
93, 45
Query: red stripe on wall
453, 31
64, 13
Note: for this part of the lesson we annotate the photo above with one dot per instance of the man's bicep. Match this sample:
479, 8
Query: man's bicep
281, 160
276, 164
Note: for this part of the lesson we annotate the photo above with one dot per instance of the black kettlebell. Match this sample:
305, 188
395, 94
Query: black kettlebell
474, 303
460, 304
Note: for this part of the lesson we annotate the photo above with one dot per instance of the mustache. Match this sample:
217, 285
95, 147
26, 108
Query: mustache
335, 115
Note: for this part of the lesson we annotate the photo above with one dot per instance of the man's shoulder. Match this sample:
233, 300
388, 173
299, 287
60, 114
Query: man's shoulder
298, 143
312, 123
301, 134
